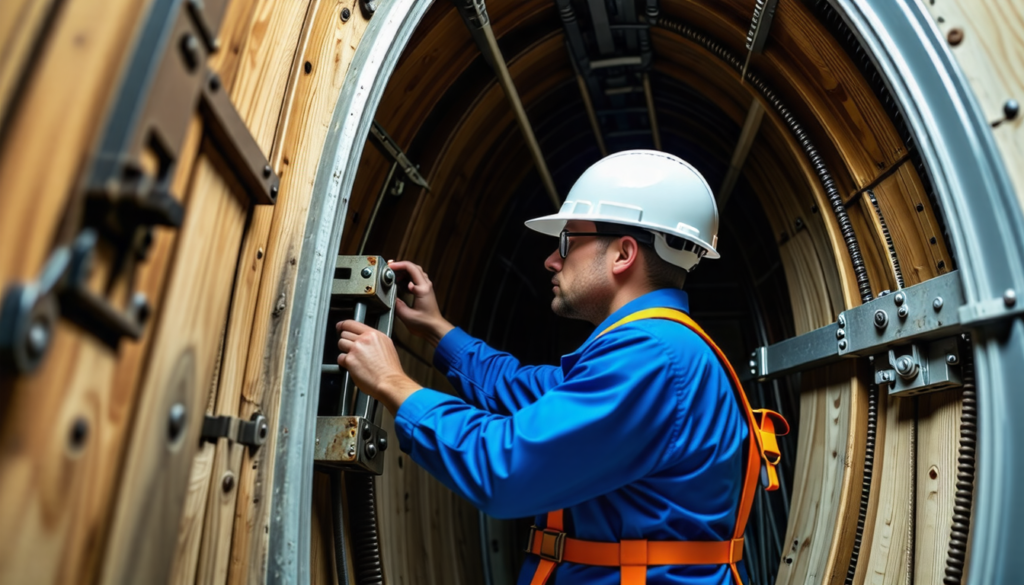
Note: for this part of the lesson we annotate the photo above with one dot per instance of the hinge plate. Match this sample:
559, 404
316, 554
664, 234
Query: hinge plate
252, 432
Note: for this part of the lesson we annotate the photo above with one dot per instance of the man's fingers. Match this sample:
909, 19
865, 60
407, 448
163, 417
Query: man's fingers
353, 326
416, 273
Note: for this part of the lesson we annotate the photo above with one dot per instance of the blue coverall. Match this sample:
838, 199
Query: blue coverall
637, 435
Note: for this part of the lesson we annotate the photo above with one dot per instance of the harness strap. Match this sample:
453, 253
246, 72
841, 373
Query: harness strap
634, 556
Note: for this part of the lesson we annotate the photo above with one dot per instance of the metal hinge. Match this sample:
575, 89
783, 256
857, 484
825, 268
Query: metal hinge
126, 189
252, 432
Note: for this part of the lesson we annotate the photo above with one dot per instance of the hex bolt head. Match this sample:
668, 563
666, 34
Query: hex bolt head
1010, 297
952, 359
842, 344
388, 277
371, 450
1011, 109
899, 298
38, 337
382, 443
366, 272
228, 482
176, 419
903, 312
937, 304
905, 366
881, 319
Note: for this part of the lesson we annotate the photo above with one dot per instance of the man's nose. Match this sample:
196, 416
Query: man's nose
553, 262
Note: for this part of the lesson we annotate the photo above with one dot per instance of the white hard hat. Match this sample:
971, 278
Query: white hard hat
647, 189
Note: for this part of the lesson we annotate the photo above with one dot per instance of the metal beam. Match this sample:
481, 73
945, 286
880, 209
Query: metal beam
739, 155
474, 14
602, 28
655, 133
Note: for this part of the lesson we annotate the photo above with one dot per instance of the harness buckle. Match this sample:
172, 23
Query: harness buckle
552, 543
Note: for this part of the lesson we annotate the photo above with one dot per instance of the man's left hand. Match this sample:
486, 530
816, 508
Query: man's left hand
371, 359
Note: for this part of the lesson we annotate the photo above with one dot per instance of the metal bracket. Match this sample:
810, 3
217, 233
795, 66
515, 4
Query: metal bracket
919, 368
350, 443
926, 311
125, 191
252, 432
391, 149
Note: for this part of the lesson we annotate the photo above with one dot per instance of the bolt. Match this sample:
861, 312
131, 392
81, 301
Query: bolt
904, 365
367, 272
840, 333
388, 277
885, 376
259, 254
345, 14
1010, 297
952, 359
903, 312
140, 305
38, 337
214, 82
899, 298
79, 432
842, 320
366, 431
228, 483
937, 304
753, 364
273, 192
190, 51
955, 36
267, 171
1011, 109
176, 421
842, 344
351, 452
368, 6
881, 319
371, 450
382, 443
263, 430
799, 224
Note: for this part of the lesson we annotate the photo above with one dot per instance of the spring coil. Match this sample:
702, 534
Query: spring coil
865, 490
362, 499
835, 200
964, 497
888, 240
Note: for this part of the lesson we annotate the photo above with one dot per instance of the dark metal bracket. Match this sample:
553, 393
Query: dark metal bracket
391, 149
252, 432
126, 188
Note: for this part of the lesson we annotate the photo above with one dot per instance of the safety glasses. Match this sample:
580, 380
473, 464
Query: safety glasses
563, 239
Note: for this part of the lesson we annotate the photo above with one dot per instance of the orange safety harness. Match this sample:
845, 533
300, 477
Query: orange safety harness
634, 556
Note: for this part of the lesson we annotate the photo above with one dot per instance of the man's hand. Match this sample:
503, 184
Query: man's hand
370, 357
424, 318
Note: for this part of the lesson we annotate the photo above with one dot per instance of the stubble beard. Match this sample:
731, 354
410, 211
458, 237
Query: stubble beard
580, 301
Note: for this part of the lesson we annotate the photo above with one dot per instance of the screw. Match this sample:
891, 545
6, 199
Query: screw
382, 443
1011, 109
1010, 297
952, 359
263, 430
903, 312
38, 337
176, 421
267, 171
228, 483
899, 298
840, 333
79, 432
190, 51
881, 319
955, 36
937, 304
273, 192
345, 14
842, 344
367, 272
140, 305
214, 82
842, 320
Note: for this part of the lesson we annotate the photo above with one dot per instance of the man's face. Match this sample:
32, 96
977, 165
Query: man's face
581, 279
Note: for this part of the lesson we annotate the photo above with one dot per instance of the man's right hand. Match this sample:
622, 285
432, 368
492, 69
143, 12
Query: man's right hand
424, 318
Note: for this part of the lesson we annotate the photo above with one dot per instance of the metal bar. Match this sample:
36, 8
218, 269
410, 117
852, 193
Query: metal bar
602, 28
655, 133
739, 156
474, 14
384, 141
615, 62
799, 353
347, 389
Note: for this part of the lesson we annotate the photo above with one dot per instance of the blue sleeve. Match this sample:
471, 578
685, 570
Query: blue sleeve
491, 379
605, 426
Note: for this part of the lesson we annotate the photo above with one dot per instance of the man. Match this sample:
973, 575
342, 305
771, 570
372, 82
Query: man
638, 435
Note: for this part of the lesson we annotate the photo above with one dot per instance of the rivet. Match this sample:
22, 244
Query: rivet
903, 312
79, 432
214, 83
141, 307
1011, 109
176, 421
371, 450
190, 51
1010, 297
899, 298
955, 36
228, 483
753, 364
273, 192
388, 277
937, 304
345, 14
840, 333
267, 171
952, 359
366, 431
38, 337
382, 443
842, 344
842, 320
259, 254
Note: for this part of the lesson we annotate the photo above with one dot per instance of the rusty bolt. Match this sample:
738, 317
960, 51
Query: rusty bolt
955, 36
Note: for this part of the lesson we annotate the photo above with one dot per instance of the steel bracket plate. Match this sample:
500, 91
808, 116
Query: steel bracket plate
919, 368
351, 443
252, 432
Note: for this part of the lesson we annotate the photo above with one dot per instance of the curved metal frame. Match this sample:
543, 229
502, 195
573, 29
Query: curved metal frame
379, 49
986, 229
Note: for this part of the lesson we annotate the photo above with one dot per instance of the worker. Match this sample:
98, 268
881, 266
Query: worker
634, 453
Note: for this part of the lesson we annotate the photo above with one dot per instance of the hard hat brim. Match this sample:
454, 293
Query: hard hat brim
552, 225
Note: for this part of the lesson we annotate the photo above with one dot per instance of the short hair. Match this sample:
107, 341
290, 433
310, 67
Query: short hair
660, 273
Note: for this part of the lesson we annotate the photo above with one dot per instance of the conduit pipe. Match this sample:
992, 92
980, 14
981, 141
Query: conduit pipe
739, 156
474, 14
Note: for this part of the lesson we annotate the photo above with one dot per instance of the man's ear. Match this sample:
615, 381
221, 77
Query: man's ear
626, 254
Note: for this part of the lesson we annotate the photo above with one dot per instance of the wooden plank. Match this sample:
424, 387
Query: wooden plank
937, 452
989, 55
22, 22
328, 47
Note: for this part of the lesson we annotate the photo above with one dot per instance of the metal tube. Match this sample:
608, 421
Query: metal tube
739, 156
655, 133
347, 391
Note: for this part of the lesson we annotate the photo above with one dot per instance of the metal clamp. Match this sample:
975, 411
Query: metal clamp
252, 432
350, 443
919, 368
